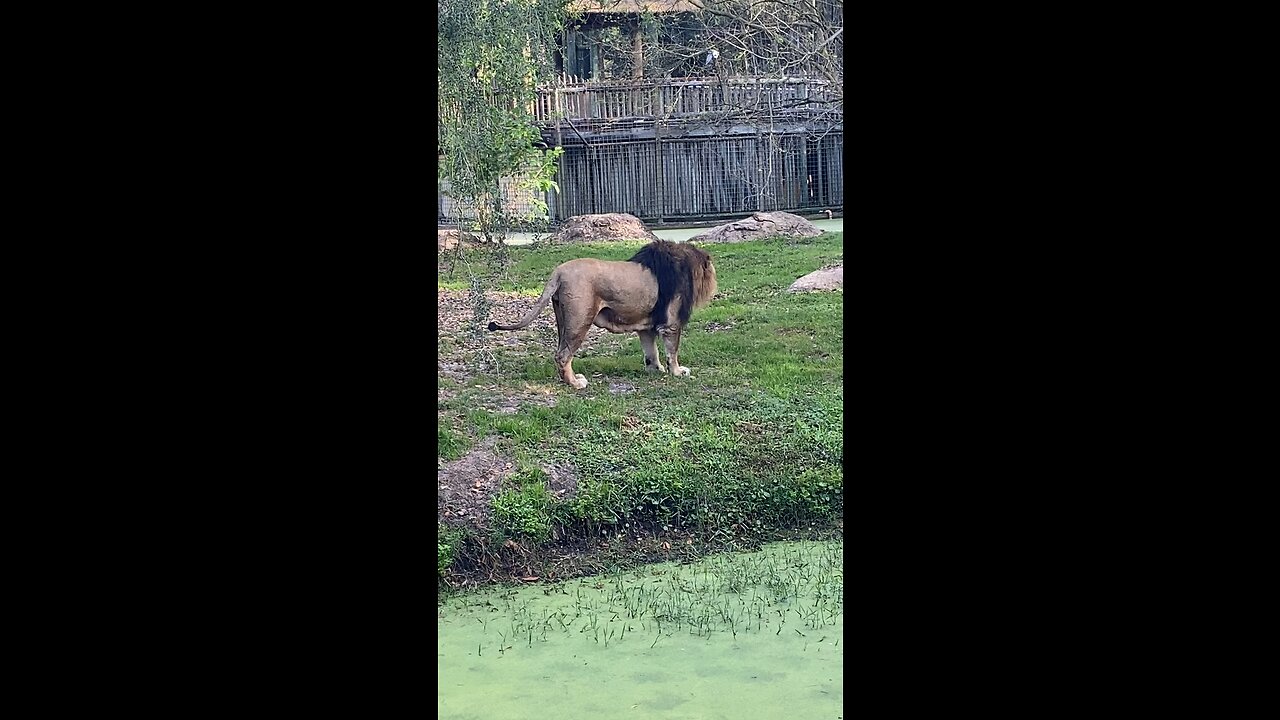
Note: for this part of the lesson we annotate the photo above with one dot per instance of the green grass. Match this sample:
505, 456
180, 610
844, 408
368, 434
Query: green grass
447, 540
450, 444
525, 511
748, 446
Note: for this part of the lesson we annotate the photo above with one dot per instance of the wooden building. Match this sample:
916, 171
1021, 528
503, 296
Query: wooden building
658, 118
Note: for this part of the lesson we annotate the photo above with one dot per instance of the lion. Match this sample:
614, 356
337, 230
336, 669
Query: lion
651, 294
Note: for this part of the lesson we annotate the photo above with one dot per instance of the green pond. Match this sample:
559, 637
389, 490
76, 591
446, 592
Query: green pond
736, 636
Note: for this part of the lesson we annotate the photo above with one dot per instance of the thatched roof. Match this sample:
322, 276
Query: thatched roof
633, 6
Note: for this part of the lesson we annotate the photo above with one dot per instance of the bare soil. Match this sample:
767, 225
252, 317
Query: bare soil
466, 487
469, 353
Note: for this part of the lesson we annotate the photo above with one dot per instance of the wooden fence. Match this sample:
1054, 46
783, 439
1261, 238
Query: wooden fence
706, 177
784, 150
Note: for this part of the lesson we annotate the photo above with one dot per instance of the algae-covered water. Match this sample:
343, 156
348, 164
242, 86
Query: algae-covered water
737, 636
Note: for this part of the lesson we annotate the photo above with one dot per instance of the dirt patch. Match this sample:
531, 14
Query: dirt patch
562, 480
509, 402
466, 355
466, 487
455, 371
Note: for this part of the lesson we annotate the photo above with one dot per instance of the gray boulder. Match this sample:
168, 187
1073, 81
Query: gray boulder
825, 279
759, 226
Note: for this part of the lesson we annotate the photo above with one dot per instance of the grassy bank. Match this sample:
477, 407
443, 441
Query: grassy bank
748, 448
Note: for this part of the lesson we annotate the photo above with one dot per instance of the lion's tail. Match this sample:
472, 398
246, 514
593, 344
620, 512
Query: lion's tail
553, 284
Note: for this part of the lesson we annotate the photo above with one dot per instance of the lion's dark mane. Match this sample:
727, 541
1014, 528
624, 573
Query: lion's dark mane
674, 265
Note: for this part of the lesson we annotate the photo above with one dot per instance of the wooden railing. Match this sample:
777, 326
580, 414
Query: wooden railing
643, 99
676, 97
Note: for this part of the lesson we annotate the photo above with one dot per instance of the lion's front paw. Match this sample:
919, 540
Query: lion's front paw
579, 381
655, 368
681, 371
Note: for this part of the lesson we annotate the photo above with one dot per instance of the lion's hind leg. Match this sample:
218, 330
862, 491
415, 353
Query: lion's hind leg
572, 333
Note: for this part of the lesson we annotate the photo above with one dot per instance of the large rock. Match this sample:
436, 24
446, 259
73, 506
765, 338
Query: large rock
759, 226
825, 279
603, 227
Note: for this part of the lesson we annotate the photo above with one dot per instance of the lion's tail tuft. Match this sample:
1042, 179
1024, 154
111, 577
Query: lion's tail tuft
553, 284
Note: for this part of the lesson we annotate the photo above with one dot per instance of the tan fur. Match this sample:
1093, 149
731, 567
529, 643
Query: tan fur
619, 297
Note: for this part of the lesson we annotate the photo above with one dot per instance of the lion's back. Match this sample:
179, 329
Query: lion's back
614, 282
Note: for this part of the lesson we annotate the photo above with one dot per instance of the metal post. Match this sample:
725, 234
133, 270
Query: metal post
661, 176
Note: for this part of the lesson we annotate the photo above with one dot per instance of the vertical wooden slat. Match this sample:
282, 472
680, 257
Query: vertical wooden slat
698, 174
